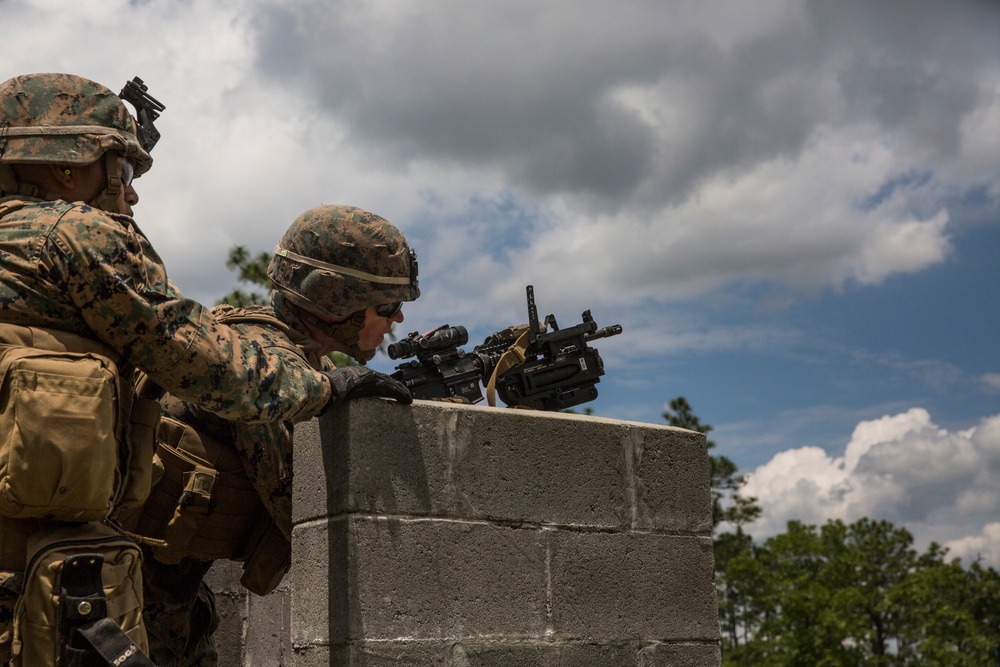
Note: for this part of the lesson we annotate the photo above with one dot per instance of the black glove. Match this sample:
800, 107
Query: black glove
355, 381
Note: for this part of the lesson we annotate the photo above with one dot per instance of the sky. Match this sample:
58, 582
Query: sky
791, 206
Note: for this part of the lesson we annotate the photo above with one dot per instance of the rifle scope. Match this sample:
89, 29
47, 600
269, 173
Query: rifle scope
442, 338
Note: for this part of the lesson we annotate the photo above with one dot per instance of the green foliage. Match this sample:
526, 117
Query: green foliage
841, 594
341, 360
727, 504
251, 270
854, 594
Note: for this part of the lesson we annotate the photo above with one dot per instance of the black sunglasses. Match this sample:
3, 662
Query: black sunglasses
389, 309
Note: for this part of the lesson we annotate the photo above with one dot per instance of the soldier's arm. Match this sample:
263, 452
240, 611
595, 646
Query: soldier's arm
119, 283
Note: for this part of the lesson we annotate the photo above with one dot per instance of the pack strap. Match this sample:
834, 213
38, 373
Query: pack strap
105, 639
85, 627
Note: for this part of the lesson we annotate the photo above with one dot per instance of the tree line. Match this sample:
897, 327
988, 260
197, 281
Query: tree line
840, 594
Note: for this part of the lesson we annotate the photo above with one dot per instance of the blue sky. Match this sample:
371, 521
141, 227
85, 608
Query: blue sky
790, 206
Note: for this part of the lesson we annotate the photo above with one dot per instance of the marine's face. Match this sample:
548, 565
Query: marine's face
370, 336
376, 327
127, 198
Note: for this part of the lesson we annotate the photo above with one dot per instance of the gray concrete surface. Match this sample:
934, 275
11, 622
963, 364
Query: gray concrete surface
461, 536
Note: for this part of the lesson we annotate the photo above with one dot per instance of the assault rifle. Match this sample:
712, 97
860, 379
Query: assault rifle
532, 365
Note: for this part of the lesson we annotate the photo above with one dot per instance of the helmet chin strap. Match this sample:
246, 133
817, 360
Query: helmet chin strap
9, 185
107, 199
347, 333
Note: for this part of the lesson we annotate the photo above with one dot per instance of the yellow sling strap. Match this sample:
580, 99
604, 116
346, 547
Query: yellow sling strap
513, 356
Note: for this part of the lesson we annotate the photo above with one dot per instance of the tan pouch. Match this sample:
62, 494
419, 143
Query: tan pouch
204, 505
40, 623
270, 556
58, 425
142, 464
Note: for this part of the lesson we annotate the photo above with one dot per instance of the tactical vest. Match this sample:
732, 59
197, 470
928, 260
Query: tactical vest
204, 505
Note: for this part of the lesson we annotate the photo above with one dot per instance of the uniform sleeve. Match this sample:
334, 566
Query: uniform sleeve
120, 286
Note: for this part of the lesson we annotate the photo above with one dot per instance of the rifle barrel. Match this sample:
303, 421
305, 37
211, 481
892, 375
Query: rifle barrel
605, 332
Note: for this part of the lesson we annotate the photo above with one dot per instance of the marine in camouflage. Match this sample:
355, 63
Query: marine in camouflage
72, 267
328, 248
179, 608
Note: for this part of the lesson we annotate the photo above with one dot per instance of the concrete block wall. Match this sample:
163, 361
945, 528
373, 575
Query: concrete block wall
463, 535
451, 535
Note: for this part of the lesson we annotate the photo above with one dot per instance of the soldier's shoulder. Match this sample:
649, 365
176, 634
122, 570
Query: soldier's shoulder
72, 218
230, 314
258, 322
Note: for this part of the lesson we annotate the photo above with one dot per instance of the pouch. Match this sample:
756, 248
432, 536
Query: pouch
52, 609
59, 427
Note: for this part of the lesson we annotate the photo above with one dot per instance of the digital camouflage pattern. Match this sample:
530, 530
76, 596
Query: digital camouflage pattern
178, 605
333, 245
65, 119
79, 269
179, 612
265, 447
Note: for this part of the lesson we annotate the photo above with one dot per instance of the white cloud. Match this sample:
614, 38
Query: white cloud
991, 381
984, 546
750, 147
903, 468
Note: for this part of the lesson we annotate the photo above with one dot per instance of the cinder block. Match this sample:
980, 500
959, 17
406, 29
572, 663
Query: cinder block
632, 586
371, 578
512, 465
268, 636
473, 462
680, 655
223, 579
669, 479
364, 456
471, 653
545, 654
321, 597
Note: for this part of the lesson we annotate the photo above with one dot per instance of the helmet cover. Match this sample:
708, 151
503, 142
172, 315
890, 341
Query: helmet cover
336, 260
65, 119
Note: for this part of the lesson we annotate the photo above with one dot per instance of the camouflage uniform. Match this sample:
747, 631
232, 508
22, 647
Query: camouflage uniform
72, 267
312, 284
76, 268
179, 608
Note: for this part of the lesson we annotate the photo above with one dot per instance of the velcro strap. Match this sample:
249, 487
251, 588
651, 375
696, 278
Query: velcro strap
110, 642
81, 593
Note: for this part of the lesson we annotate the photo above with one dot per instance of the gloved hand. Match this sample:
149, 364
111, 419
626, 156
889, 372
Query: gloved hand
355, 381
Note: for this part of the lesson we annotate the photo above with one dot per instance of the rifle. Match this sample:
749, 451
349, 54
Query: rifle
531, 365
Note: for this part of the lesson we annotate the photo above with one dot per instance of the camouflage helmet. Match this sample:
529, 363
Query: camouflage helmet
337, 260
65, 119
